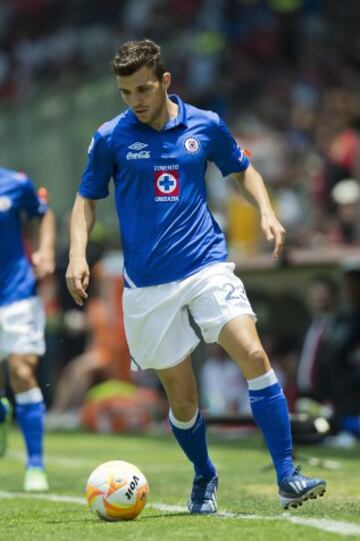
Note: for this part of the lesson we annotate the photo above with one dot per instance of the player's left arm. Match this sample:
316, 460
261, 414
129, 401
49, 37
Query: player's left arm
43, 258
34, 203
252, 186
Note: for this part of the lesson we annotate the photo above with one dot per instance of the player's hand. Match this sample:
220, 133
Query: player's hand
274, 231
43, 262
77, 279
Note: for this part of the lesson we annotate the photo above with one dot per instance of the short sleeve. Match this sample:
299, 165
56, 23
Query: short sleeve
31, 203
225, 152
98, 170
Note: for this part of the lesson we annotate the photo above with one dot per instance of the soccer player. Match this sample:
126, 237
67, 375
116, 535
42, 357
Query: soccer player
22, 315
175, 259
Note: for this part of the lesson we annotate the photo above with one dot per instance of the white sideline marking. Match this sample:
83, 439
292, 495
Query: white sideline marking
323, 524
52, 459
47, 497
327, 525
67, 462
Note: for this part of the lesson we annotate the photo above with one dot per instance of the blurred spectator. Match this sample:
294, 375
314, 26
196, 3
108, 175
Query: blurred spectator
346, 196
117, 407
339, 355
344, 154
67, 329
222, 387
322, 298
106, 355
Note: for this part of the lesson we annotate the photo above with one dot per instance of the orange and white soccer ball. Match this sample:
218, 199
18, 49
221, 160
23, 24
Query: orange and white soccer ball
117, 490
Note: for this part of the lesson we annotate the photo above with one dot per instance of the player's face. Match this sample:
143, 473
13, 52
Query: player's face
144, 93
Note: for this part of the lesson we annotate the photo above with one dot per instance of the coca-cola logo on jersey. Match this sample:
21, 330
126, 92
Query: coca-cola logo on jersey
142, 155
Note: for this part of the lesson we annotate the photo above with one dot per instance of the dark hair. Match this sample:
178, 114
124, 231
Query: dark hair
133, 55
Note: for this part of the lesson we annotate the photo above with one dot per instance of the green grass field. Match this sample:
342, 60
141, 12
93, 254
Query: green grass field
247, 496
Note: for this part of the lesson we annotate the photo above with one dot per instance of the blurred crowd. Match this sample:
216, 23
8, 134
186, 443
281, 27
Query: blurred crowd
283, 73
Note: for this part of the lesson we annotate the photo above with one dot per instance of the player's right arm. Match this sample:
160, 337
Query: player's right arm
94, 186
78, 273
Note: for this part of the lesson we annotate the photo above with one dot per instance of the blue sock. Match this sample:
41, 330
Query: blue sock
351, 423
270, 411
192, 439
30, 416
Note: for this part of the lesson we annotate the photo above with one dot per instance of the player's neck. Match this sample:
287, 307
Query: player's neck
168, 112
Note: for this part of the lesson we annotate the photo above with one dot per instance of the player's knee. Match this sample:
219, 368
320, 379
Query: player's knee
20, 373
185, 408
258, 358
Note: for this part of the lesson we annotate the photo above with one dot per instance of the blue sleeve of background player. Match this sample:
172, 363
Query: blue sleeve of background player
225, 152
31, 203
99, 169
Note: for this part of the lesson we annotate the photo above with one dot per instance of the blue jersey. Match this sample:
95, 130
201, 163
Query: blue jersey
17, 196
166, 227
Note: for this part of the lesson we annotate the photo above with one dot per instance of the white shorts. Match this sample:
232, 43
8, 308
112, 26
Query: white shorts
156, 318
22, 327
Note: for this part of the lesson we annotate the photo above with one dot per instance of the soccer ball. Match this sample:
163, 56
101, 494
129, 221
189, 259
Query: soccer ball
117, 490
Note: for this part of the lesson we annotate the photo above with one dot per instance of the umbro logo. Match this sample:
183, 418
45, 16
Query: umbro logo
137, 146
5, 203
256, 399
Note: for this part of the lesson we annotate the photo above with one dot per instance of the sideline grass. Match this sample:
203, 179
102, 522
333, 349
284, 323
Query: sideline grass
246, 487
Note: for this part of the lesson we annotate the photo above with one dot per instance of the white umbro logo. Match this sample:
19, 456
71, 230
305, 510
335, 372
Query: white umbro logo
137, 146
5, 203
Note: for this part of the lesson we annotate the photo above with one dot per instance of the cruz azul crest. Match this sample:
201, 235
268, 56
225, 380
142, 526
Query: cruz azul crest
192, 145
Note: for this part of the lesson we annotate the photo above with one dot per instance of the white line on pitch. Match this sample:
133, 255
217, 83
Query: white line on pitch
323, 524
68, 462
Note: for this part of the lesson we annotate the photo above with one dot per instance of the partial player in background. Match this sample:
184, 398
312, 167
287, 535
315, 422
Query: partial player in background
22, 317
175, 255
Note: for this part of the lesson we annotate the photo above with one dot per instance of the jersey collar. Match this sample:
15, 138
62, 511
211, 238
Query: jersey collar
181, 118
172, 123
